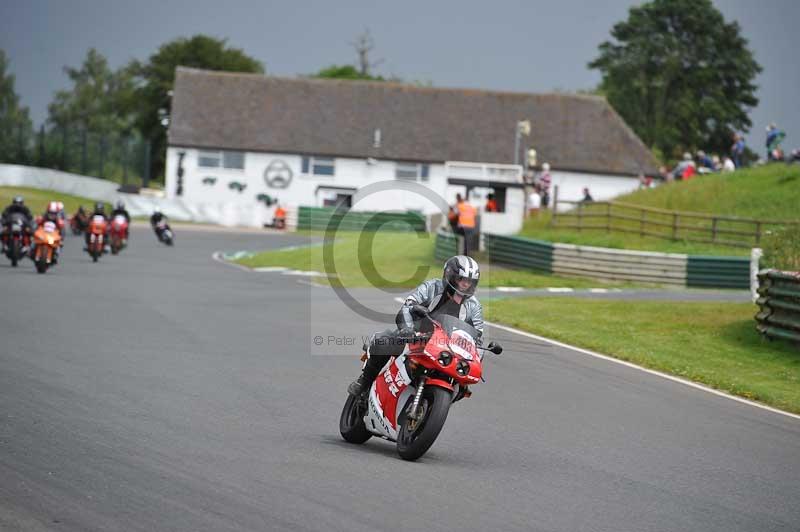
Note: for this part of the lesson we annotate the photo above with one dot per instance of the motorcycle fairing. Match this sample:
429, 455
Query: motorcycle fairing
387, 396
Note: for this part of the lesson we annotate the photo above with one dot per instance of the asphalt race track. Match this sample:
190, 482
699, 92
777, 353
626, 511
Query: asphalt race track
164, 391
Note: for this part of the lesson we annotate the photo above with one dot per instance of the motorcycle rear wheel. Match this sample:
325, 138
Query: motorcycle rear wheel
415, 438
351, 422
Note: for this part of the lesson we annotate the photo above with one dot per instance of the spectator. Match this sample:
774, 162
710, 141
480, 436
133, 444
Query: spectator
279, 219
774, 138
704, 163
795, 157
728, 165
665, 174
544, 184
491, 204
737, 150
684, 169
534, 202
466, 222
716, 162
587, 197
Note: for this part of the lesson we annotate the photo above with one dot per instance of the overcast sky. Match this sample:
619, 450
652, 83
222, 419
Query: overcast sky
512, 45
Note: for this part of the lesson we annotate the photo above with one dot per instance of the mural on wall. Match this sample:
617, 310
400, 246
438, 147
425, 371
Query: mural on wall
210, 181
278, 174
179, 188
237, 186
266, 199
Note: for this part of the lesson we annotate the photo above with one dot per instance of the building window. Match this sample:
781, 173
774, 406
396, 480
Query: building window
318, 165
233, 160
412, 171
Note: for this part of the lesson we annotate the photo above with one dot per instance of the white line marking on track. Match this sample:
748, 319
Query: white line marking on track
269, 269
309, 283
646, 370
217, 256
509, 289
304, 273
598, 290
559, 290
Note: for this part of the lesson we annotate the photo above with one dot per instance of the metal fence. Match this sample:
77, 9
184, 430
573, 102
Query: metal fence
779, 305
614, 216
123, 158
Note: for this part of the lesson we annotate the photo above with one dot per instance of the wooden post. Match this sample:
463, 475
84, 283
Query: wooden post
758, 233
608, 217
674, 226
555, 206
714, 229
642, 221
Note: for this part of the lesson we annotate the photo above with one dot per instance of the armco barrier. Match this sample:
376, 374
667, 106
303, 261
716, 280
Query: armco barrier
779, 305
718, 272
520, 252
619, 264
446, 245
320, 218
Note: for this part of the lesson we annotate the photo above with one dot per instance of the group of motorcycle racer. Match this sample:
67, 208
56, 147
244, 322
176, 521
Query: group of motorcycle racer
55, 214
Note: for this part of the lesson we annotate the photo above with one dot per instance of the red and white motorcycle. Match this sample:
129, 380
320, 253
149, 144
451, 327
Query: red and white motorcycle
409, 401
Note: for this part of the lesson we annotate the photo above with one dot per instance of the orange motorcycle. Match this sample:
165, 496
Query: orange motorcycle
98, 227
47, 241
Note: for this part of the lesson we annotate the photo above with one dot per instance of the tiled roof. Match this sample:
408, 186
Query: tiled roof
339, 118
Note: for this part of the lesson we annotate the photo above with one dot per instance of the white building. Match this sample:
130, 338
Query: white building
236, 138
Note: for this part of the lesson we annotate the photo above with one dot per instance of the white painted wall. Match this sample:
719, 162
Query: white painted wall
601, 187
351, 173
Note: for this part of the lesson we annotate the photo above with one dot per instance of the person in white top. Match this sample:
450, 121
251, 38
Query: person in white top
728, 165
534, 202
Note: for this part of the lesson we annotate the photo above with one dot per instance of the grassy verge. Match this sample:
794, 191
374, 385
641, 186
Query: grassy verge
539, 228
395, 257
37, 199
712, 343
770, 192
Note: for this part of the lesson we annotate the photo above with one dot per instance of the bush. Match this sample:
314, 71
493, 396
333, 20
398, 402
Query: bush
782, 249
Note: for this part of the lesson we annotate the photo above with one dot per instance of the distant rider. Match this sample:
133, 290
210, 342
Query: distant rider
119, 210
99, 210
17, 207
451, 295
155, 219
81, 219
52, 214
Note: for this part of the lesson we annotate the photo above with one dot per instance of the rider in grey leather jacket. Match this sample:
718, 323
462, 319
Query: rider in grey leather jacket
452, 295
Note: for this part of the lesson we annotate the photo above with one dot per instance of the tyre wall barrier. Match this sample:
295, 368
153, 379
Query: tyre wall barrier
618, 264
320, 218
446, 245
779, 305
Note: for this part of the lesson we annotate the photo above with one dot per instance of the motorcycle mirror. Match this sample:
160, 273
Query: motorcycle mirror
495, 348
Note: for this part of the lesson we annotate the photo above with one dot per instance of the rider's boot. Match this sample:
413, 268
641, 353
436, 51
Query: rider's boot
365, 380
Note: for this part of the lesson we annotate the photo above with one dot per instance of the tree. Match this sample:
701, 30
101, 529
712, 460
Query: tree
99, 100
679, 75
16, 128
345, 72
157, 78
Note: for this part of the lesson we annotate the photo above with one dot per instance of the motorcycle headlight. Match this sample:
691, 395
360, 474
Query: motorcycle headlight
445, 358
50, 240
462, 368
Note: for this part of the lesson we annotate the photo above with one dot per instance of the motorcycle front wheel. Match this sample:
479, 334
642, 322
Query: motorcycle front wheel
414, 438
351, 422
